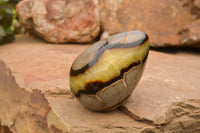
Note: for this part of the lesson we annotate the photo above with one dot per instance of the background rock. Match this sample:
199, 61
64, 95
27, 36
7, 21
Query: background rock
60, 21
34, 92
168, 23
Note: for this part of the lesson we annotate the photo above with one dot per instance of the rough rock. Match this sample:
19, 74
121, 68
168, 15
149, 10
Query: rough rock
184, 116
24, 111
168, 23
60, 21
34, 92
168, 94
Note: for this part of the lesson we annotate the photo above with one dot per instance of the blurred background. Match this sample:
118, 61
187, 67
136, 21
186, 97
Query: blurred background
168, 23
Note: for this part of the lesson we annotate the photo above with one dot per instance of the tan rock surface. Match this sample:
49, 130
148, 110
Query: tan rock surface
34, 92
171, 79
168, 23
41, 73
24, 111
60, 21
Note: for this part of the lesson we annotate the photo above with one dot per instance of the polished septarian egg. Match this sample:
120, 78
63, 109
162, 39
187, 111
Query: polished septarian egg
105, 75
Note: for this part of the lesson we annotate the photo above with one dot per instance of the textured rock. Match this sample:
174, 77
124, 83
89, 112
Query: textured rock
60, 21
168, 23
34, 85
184, 116
25, 111
169, 81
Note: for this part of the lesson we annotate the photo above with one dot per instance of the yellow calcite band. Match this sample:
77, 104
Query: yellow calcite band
111, 62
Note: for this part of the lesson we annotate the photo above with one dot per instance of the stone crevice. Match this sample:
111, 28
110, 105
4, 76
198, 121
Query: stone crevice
134, 116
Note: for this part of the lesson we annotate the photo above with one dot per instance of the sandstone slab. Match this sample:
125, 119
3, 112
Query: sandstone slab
168, 23
60, 21
169, 92
34, 92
